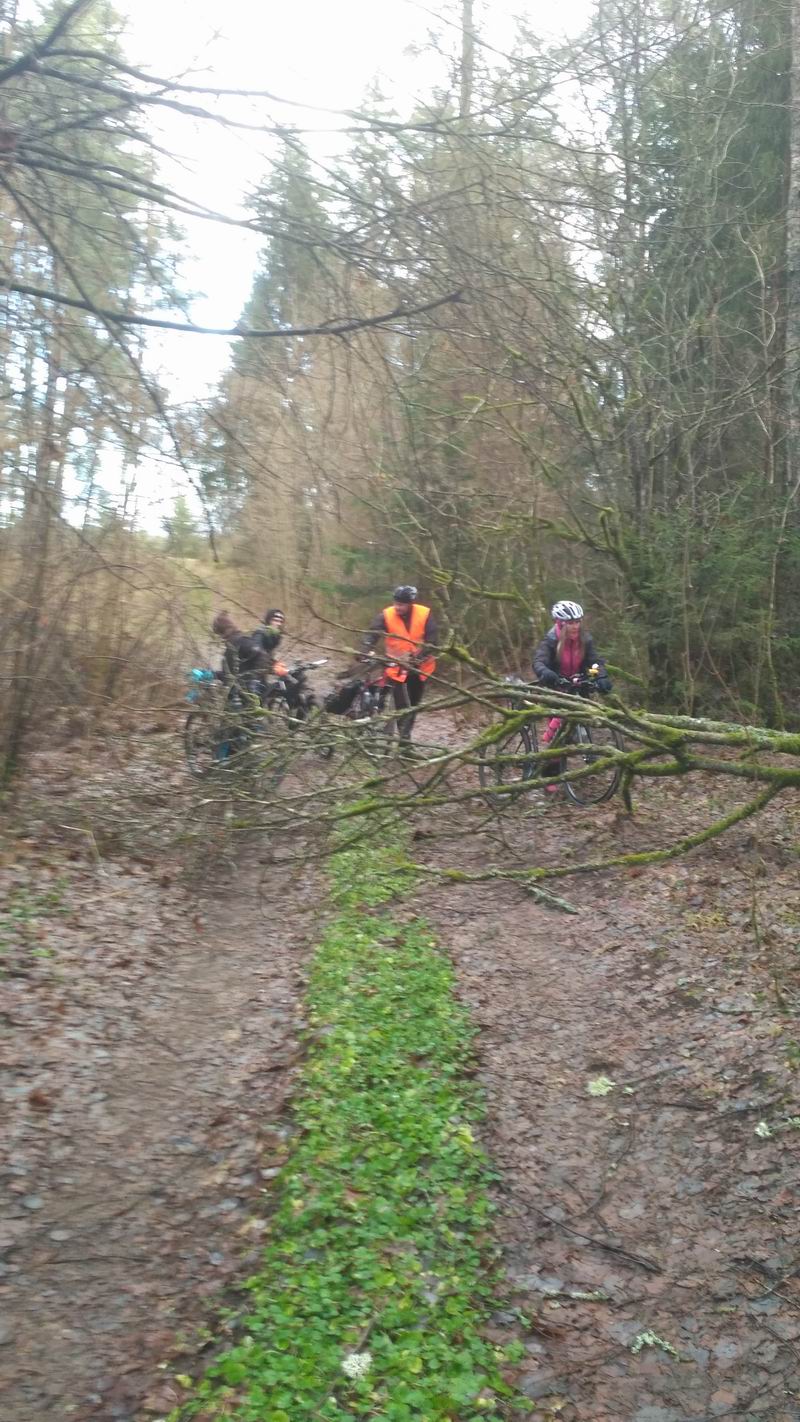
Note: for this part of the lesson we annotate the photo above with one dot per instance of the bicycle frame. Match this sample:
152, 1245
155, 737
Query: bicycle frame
571, 731
376, 679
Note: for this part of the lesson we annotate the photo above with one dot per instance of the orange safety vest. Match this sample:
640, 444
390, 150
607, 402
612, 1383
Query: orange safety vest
402, 641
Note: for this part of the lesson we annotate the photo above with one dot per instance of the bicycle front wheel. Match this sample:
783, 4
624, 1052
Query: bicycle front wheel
508, 762
273, 745
595, 742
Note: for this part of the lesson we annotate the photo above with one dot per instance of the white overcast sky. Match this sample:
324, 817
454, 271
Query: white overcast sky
323, 53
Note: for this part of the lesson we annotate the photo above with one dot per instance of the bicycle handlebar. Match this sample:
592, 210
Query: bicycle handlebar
564, 683
578, 682
367, 669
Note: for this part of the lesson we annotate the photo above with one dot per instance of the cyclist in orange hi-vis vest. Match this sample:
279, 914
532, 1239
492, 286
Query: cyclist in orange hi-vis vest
409, 634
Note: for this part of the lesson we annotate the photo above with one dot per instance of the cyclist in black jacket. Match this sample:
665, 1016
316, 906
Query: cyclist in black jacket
243, 656
567, 649
270, 633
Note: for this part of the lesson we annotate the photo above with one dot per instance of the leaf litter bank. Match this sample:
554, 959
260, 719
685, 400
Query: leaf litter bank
374, 1288
640, 1064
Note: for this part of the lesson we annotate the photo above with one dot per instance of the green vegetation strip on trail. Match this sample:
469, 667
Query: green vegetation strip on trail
373, 1290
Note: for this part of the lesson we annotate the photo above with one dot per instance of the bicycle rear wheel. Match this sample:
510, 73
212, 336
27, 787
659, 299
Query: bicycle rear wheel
375, 729
306, 721
508, 761
595, 742
319, 730
204, 743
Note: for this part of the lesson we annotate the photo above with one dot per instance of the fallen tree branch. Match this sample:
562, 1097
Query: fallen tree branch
527, 877
362, 793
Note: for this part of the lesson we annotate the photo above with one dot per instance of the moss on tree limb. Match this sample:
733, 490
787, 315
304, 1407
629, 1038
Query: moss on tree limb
531, 878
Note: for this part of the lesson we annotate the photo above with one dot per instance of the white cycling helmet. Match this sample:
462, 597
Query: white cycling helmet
566, 612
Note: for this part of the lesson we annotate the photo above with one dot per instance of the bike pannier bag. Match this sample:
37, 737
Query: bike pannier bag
339, 701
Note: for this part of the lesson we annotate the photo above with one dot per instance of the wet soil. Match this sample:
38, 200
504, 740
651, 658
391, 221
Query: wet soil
651, 1234
147, 1061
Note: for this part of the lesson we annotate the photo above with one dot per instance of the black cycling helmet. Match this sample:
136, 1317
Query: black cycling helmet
273, 612
405, 593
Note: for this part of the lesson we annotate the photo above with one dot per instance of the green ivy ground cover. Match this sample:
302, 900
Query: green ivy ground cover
375, 1284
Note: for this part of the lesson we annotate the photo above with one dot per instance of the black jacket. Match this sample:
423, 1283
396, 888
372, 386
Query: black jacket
268, 639
545, 658
244, 656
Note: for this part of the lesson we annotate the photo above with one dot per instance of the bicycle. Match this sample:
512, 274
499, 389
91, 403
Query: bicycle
359, 703
289, 695
287, 690
255, 714
367, 712
516, 758
205, 741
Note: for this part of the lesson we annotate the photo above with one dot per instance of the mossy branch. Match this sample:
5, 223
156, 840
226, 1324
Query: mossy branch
531, 878
359, 801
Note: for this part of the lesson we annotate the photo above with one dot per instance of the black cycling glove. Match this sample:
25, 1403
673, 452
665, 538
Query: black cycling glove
547, 677
604, 683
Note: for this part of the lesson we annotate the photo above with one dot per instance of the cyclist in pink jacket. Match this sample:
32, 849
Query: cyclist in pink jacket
567, 650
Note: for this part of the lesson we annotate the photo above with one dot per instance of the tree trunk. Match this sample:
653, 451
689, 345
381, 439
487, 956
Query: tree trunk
40, 512
793, 264
467, 58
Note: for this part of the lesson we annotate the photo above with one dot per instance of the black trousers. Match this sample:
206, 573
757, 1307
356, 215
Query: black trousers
407, 696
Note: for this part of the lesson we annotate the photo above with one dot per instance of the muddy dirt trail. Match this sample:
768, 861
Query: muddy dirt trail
146, 1121
652, 1229
640, 1060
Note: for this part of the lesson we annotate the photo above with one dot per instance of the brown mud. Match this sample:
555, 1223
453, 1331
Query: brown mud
148, 1045
650, 1235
